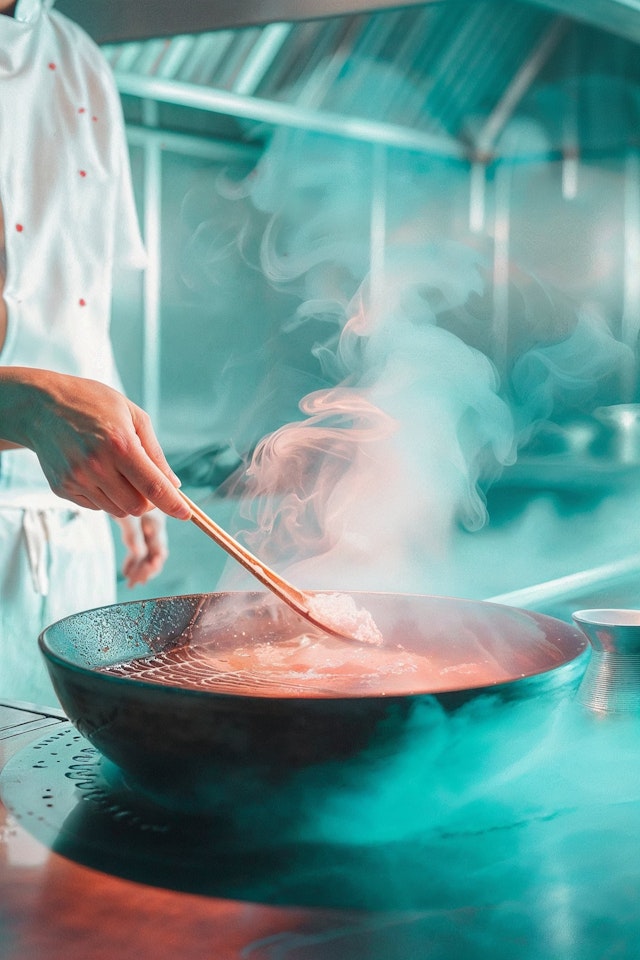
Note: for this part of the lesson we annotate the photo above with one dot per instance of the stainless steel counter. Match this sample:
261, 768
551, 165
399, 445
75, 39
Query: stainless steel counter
51, 907
524, 890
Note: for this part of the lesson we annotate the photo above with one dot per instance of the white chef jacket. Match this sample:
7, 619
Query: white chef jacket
69, 217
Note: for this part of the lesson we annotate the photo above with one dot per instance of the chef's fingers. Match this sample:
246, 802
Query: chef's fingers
133, 541
132, 538
105, 501
81, 501
147, 470
128, 502
93, 499
154, 532
107, 491
151, 444
153, 528
146, 542
101, 486
140, 571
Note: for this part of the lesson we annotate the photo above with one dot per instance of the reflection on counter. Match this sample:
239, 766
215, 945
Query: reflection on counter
449, 849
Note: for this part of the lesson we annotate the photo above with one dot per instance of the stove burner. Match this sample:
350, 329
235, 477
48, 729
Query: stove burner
79, 805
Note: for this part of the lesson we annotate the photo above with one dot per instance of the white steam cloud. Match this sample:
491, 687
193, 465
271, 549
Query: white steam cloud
422, 408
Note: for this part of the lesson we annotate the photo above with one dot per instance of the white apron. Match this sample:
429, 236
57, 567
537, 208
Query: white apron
69, 216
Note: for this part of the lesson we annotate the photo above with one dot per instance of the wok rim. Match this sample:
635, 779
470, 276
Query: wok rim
582, 652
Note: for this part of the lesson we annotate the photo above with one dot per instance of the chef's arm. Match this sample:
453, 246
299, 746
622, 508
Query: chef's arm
96, 448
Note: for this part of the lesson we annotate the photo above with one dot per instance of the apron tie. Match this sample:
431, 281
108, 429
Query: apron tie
37, 535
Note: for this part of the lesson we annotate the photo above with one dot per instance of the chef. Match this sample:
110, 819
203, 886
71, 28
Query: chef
73, 448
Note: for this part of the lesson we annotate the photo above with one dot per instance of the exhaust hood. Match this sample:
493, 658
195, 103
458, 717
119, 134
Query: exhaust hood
110, 21
113, 20
442, 77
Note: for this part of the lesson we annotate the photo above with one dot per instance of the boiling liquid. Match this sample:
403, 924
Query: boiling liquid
306, 665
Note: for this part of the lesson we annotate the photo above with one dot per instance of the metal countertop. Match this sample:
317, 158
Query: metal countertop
52, 908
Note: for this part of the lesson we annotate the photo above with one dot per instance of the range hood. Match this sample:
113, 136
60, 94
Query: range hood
414, 77
116, 20
442, 78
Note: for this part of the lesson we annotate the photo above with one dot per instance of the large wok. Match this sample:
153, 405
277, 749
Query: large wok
181, 745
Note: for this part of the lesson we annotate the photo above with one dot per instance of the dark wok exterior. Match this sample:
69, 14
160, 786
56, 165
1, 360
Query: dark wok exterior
181, 745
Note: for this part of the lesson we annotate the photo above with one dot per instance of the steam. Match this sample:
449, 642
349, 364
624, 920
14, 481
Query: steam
503, 826
490, 766
335, 487
570, 370
419, 413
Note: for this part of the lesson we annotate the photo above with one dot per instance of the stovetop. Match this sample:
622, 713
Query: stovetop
90, 868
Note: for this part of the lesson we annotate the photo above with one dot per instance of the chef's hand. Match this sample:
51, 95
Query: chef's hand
145, 539
96, 448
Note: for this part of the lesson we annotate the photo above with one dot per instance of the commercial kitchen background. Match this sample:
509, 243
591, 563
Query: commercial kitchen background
475, 163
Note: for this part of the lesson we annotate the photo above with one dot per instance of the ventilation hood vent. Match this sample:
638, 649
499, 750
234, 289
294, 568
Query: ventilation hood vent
406, 78
441, 78
116, 20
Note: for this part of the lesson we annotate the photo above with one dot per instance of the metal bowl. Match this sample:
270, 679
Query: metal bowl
181, 744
